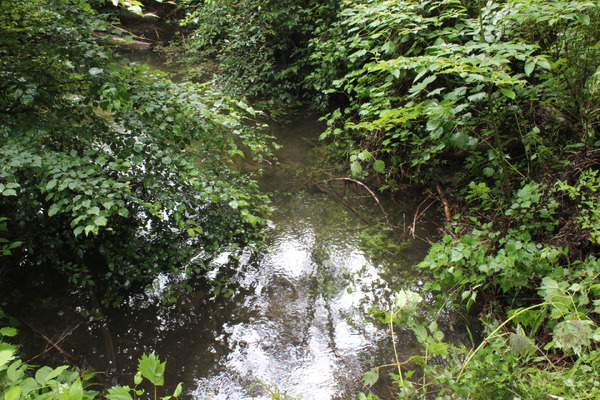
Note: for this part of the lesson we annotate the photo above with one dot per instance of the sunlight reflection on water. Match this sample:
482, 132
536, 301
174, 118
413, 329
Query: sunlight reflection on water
310, 334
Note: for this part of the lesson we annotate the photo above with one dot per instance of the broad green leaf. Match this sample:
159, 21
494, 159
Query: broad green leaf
544, 64
53, 210
371, 377
364, 155
8, 331
573, 335
356, 168
100, 221
178, 390
45, 374
89, 228
152, 369
76, 390
93, 211
137, 379
420, 333
14, 373
13, 393
379, 166
51, 185
520, 343
508, 93
438, 349
407, 300
77, 231
529, 66
119, 393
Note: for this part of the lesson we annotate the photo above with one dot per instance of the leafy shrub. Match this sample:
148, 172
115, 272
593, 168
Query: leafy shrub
259, 46
508, 363
111, 173
427, 80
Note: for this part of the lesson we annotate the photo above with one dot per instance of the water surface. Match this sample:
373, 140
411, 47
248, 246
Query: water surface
295, 315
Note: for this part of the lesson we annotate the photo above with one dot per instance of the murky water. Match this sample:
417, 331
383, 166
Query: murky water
295, 315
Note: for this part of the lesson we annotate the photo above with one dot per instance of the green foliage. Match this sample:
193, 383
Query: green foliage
507, 364
501, 256
585, 194
427, 80
20, 381
150, 368
274, 392
260, 46
111, 173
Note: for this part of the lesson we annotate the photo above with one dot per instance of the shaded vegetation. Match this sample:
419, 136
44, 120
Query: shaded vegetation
494, 105
111, 173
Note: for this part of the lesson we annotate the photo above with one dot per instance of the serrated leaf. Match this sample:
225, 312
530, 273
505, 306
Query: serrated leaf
8, 331
152, 369
370, 377
520, 343
5, 357
420, 333
438, 349
573, 335
407, 300
119, 393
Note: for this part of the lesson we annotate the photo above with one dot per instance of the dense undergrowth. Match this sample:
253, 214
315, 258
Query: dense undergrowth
493, 105
496, 105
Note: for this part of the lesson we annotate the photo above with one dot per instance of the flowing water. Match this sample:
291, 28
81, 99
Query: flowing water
295, 315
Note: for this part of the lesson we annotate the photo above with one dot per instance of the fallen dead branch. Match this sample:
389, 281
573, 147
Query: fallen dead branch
418, 214
362, 185
54, 344
444, 201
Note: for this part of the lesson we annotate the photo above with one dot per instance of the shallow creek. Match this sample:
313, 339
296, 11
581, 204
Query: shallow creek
295, 315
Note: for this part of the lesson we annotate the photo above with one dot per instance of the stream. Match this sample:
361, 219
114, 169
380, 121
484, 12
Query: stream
294, 316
